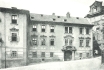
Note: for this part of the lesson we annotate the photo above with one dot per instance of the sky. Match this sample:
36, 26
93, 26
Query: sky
77, 8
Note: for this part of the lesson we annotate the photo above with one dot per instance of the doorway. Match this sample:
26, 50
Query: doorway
67, 55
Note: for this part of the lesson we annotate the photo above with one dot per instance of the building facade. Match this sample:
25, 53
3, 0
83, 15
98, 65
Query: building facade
13, 35
58, 38
27, 38
96, 17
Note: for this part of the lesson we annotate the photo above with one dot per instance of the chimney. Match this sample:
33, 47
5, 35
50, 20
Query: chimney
68, 15
53, 14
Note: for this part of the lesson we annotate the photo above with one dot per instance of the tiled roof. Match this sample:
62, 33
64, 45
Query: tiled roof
54, 18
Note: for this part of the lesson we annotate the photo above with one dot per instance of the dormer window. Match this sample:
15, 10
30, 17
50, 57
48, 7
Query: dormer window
65, 20
58, 16
54, 19
32, 17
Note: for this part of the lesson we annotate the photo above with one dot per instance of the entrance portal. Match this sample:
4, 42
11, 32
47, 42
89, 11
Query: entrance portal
67, 55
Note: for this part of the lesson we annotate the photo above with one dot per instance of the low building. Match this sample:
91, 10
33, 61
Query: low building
58, 38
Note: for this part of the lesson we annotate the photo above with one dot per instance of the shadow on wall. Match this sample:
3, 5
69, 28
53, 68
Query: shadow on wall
96, 49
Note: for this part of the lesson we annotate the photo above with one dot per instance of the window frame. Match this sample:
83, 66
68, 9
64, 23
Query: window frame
87, 30
52, 28
14, 54
52, 40
34, 28
43, 42
42, 54
34, 55
16, 37
81, 30
43, 28
51, 54
88, 43
14, 18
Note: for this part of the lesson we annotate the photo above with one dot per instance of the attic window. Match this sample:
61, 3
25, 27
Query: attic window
77, 17
58, 16
65, 19
41, 15
32, 17
54, 19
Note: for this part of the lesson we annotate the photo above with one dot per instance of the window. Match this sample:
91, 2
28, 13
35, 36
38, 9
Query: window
34, 54
14, 19
70, 42
34, 41
81, 43
87, 30
43, 42
87, 43
14, 36
14, 54
81, 30
87, 54
70, 29
66, 29
43, 28
42, 54
52, 42
51, 54
34, 28
52, 29
80, 54
66, 41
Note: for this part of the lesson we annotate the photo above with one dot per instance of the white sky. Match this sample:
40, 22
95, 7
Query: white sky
77, 8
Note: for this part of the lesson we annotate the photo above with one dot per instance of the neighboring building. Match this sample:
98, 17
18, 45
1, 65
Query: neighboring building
96, 16
58, 38
13, 36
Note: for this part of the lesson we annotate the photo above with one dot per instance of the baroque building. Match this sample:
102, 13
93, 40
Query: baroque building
27, 38
52, 38
96, 17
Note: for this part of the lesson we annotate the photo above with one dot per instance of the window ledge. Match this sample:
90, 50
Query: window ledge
14, 24
68, 33
14, 41
87, 46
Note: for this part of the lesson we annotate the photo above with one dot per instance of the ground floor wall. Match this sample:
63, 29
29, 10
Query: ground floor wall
13, 57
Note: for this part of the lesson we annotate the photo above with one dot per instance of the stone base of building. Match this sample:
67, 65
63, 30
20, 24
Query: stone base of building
13, 63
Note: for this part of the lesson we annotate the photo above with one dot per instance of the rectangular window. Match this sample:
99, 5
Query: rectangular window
51, 54
14, 54
66, 29
43, 28
43, 42
66, 41
52, 29
87, 43
34, 28
42, 54
14, 19
52, 42
70, 42
14, 36
87, 30
34, 54
81, 30
70, 29
80, 54
34, 41
87, 54
81, 43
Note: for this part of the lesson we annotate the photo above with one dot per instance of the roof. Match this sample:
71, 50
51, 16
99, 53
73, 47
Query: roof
14, 10
54, 18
